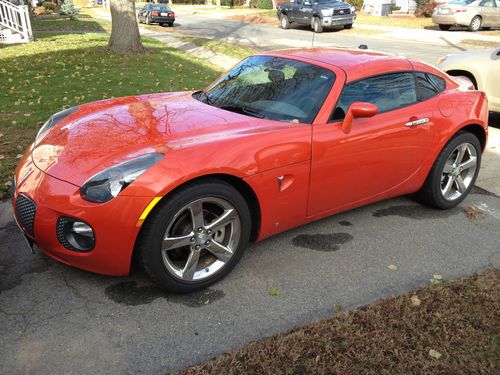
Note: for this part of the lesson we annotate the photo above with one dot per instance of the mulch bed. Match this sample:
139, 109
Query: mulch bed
450, 328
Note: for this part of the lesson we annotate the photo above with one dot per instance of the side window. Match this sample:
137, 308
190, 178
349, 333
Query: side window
487, 3
388, 92
429, 85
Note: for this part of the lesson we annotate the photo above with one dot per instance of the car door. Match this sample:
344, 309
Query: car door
488, 12
306, 12
379, 153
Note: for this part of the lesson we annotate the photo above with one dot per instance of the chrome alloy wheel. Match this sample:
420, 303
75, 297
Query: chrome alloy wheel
284, 23
458, 171
201, 239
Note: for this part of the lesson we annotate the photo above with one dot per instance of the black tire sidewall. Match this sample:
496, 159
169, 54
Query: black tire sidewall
150, 244
287, 21
432, 188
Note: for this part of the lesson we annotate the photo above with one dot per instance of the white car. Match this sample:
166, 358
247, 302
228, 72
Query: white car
481, 67
475, 14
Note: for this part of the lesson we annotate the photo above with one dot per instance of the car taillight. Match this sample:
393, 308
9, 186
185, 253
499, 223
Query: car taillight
171, 14
154, 14
460, 10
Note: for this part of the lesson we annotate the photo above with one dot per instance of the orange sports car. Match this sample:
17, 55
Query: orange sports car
183, 181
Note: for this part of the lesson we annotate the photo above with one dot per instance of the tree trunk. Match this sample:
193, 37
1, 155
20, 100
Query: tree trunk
125, 37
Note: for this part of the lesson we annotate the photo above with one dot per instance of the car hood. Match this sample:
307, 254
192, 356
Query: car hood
101, 134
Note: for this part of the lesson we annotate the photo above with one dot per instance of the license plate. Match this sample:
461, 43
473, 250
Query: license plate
164, 14
444, 11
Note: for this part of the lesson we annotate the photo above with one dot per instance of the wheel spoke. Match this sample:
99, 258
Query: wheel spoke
226, 218
196, 209
191, 264
469, 163
461, 184
220, 251
461, 152
447, 188
170, 243
448, 168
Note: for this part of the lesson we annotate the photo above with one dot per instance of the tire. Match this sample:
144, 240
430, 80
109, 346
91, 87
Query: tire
174, 218
284, 22
316, 25
348, 26
443, 172
475, 23
444, 27
170, 24
161, 24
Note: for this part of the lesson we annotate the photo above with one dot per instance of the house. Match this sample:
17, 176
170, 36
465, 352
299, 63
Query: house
383, 7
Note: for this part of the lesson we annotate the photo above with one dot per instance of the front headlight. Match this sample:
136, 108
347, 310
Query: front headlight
107, 184
352, 9
326, 12
51, 122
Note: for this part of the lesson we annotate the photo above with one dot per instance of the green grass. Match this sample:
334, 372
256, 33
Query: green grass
58, 71
229, 49
65, 24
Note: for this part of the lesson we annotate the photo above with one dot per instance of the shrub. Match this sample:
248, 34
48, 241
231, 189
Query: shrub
68, 9
358, 4
48, 5
261, 4
425, 9
40, 9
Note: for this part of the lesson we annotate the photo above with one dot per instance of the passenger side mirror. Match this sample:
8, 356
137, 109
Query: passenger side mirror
358, 110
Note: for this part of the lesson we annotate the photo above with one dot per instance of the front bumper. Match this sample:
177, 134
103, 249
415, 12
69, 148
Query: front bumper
114, 223
338, 20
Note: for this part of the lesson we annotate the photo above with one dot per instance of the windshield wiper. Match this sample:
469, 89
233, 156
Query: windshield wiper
243, 111
207, 98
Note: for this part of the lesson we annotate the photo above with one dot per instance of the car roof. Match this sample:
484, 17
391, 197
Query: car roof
356, 63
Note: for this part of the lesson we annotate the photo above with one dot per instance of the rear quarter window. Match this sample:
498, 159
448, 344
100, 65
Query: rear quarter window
429, 85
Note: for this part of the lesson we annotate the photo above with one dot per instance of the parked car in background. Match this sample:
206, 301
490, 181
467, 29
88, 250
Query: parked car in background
156, 13
183, 181
475, 14
481, 67
318, 14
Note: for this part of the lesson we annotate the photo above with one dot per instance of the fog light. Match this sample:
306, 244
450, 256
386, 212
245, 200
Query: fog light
75, 235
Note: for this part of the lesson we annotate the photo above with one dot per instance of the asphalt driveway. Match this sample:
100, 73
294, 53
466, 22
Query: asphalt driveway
57, 319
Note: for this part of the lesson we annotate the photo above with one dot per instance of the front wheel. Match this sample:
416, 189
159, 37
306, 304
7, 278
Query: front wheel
454, 172
317, 27
475, 24
284, 22
195, 237
444, 27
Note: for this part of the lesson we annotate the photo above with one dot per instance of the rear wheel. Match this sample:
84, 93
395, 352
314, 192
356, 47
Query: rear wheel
317, 27
348, 26
170, 24
284, 22
444, 27
454, 172
475, 23
196, 237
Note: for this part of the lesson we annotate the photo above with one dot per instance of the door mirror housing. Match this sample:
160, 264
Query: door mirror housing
358, 110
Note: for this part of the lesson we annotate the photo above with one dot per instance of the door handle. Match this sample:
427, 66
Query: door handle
417, 122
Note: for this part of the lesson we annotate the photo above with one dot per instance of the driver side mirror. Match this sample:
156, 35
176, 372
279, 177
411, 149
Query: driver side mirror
358, 110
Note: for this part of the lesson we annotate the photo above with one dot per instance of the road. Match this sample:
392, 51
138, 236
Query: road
270, 37
57, 319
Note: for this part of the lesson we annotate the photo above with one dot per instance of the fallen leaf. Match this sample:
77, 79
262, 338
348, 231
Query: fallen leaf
273, 292
474, 213
392, 267
435, 354
415, 301
437, 277
19, 156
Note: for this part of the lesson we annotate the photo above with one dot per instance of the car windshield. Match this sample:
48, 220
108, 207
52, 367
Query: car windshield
325, 1
159, 7
273, 88
461, 2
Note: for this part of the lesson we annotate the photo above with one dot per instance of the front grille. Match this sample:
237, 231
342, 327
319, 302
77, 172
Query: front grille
341, 12
25, 213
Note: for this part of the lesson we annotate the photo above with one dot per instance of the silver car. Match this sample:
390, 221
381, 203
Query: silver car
475, 14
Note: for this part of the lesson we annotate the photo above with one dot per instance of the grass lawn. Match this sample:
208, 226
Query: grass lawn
82, 23
229, 49
58, 71
450, 328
